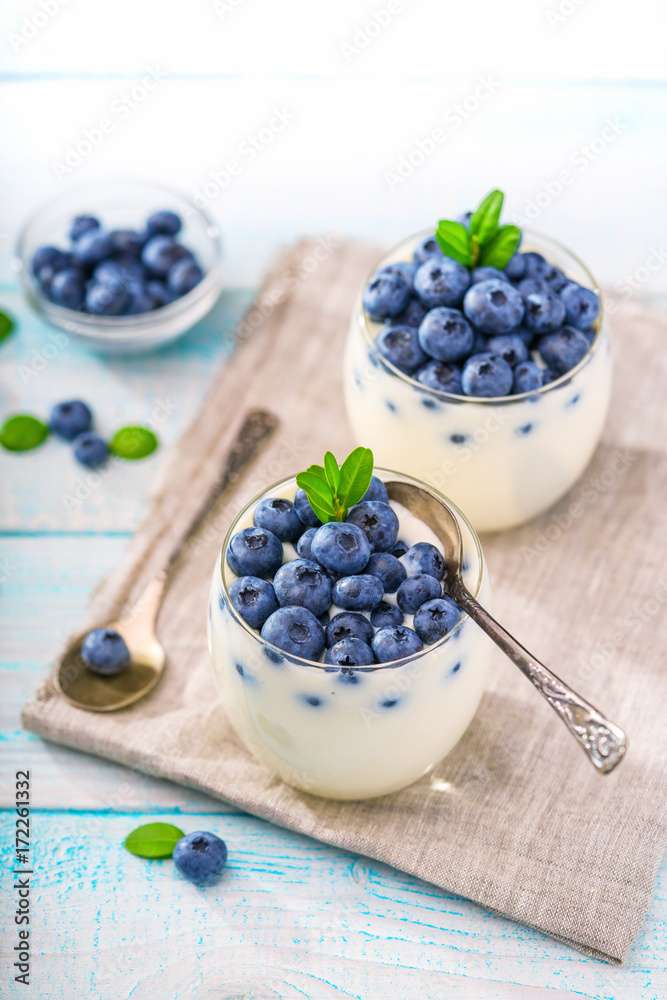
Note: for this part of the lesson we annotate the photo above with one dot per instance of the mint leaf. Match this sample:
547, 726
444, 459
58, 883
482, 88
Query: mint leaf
332, 490
454, 240
23, 432
332, 471
7, 325
484, 222
318, 490
499, 250
153, 840
355, 476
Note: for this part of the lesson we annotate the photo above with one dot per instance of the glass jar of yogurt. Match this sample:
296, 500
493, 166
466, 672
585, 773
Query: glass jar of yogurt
503, 460
342, 733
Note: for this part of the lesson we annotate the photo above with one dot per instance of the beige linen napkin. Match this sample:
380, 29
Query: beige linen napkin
515, 817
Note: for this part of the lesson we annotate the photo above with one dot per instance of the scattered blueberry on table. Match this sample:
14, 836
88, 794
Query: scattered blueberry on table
118, 272
470, 310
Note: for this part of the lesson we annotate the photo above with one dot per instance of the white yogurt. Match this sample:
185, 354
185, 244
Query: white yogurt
502, 462
349, 735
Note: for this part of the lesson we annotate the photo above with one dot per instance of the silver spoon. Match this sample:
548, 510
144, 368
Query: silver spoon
94, 693
603, 742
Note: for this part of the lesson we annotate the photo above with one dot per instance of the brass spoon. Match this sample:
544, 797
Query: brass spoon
94, 693
603, 742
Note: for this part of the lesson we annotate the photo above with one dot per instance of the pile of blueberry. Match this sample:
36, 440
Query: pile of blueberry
350, 565
480, 332
118, 272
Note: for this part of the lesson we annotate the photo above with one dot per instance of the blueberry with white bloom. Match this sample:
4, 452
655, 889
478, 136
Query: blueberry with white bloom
493, 306
510, 347
92, 247
348, 625
122, 269
183, 276
484, 273
414, 591
582, 305
527, 377
91, 450
445, 334
159, 293
82, 224
358, 593
279, 516
350, 653
529, 286
295, 630
386, 614
254, 552
515, 269
386, 294
388, 568
341, 547
302, 583
395, 643
564, 349
164, 222
425, 249
307, 515
535, 264
254, 599
160, 254
413, 313
107, 298
105, 652
400, 346
47, 257
436, 618
139, 299
304, 545
555, 279
544, 313
422, 557
441, 282
200, 857
441, 376
405, 267
378, 522
67, 288
127, 241
376, 490
70, 418
486, 374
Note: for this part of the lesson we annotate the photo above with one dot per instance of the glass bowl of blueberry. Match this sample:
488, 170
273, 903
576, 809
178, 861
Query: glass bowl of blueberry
341, 662
121, 266
478, 360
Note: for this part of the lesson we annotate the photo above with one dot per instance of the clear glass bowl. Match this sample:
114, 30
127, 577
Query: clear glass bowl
342, 735
502, 460
123, 204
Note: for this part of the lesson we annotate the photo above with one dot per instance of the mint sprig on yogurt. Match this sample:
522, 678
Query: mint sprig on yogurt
481, 241
332, 489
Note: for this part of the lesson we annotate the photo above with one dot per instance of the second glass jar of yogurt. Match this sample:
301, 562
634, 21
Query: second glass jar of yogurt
502, 459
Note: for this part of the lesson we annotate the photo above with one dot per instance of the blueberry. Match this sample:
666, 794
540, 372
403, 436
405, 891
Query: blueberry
445, 334
105, 652
254, 552
127, 241
535, 264
71, 418
510, 347
549, 375
106, 299
387, 567
254, 599
515, 268
358, 593
555, 279
405, 267
183, 276
348, 625
413, 313
386, 294
121, 270
304, 545
91, 450
307, 515
82, 224
161, 253
47, 259
92, 247
484, 273
425, 249
200, 857
399, 549
378, 522
385, 614
302, 583
435, 618
67, 289
526, 335
295, 630
544, 313
486, 374
395, 643
441, 376
414, 591
341, 547
441, 282
528, 286
424, 558
165, 222
581, 305
350, 653
527, 377
400, 346
159, 293
280, 517
493, 306
564, 349
376, 491
139, 300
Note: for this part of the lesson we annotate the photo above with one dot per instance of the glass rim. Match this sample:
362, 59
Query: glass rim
440, 394
368, 668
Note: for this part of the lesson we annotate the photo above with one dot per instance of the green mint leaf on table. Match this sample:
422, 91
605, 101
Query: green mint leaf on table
332, 489
7, 325
133, 443
454, 240
484, 222
153, 840
23, 432
499, 250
